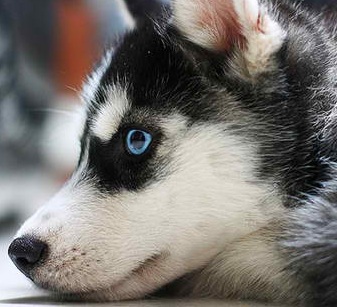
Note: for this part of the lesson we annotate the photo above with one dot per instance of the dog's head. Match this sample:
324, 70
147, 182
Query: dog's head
167, 175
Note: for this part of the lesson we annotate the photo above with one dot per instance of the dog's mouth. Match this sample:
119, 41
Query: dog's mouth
149, 263
143, 273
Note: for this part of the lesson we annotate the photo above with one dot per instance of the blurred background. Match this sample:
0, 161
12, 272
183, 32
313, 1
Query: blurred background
46, 49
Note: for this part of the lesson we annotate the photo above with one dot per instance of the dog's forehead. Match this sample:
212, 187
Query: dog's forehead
148, 71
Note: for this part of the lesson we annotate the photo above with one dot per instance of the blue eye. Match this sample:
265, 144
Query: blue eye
138, 141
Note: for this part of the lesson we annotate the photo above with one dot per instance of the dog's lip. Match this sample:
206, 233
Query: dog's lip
145, 265
148, 262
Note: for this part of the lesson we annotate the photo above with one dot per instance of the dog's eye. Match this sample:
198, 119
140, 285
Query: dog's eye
138, 141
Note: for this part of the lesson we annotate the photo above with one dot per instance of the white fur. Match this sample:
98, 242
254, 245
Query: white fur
264, 35
250, 268
110, 114
207, 198
186, 19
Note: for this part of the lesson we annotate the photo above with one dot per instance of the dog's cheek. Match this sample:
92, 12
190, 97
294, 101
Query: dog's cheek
208, 199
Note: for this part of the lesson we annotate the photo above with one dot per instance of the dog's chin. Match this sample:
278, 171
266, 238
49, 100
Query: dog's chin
147, 277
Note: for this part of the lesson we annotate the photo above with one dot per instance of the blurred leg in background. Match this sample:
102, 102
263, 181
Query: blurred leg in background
9, 102
19, 124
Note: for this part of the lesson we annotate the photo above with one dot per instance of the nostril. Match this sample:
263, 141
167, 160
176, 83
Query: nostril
26, 252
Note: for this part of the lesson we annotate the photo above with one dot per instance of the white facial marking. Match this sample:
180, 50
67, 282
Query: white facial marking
110, 114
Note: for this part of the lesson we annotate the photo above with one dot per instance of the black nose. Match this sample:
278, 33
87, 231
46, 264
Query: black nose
26, 252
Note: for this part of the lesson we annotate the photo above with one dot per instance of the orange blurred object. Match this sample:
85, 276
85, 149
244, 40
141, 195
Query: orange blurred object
76, 44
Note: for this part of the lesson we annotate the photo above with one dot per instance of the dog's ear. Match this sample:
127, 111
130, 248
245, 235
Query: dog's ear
243, 26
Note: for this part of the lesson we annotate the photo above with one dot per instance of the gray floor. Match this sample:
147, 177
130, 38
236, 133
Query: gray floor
16, 290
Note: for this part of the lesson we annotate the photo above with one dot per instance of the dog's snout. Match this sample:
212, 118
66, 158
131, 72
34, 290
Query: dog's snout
26, 252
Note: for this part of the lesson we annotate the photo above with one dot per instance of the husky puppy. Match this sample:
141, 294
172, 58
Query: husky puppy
208, 163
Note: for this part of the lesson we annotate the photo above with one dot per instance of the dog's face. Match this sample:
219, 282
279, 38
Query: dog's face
164, 180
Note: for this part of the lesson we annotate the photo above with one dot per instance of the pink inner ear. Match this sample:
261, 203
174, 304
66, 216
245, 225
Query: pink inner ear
220, 18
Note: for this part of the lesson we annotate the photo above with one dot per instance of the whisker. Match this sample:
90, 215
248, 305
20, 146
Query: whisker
56, 111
